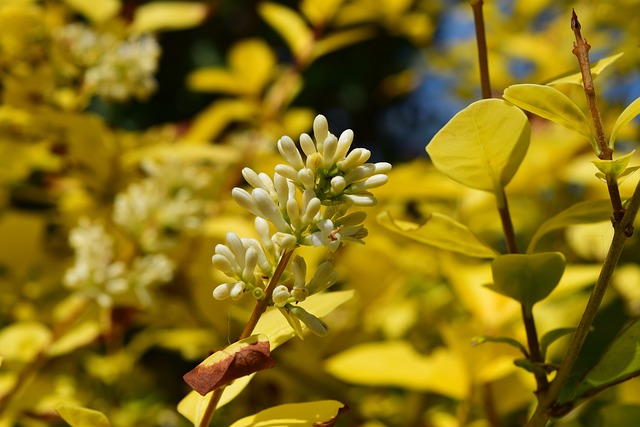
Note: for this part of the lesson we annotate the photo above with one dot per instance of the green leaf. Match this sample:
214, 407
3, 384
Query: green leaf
168, 15
504, 340
551, 104
290, 25
551, 337
440, 231
527, 278
596, 69
307, 414
483, 145
398, 364
614, 168
625, 117
82, 417
23, 340
587, 212
620, 361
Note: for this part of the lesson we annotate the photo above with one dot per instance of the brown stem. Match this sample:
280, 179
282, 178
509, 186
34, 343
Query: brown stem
622, 231
481, 40
258, 310
581, 51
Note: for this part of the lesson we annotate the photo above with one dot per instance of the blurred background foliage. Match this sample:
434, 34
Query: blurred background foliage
125, 124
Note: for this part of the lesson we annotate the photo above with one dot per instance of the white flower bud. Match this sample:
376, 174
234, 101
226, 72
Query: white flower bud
226, 252
290, 152
244, 199
293, 210
220, 262
221, 292
299, 269
252, 178
354, 218
307, 145
281, 185
284, 240
360, 199
307, 178
280, 295
287, 171
382, 167
320, 130
234, 243
344, 143
359, 173
371, 182
338, 184
329, 151
250, 262
314, 161
354, 159
299, 294
236, 291
311, 210
269, 210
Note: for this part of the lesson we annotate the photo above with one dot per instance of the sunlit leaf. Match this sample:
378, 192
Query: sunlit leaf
240, 359
553, 336
193, 405
23, 340
625, 117
98, 11
319, 12
168, 15
398, 364
79, 336
192, 151
586, 212
621, 360
291, 26
82, 417
527, 278
214, 79
440, 231
339, 39
307, 414
214, 119
550, 104
596, 68
483, 145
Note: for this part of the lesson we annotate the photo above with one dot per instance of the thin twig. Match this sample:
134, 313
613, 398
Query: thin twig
481, 40
581, 51
258, 310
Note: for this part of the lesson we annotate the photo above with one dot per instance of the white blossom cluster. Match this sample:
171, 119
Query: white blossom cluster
98, 275
163, 205
305, 203
114, 68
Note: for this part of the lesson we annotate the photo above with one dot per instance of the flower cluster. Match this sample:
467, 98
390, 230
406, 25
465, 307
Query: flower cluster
305, 203
160, 207
99, 276
114, 68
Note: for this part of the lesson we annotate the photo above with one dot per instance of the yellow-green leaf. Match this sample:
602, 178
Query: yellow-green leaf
625, 117
614, 167
398, 364
97, 11
252, 61
586, 212
82, 417
290, 25
596, 68
23, 340
168, 15
550, 104
440, 231
307, 414
75, 338
483, 145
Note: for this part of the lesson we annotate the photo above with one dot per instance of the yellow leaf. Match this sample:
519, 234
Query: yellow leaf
214, 79
483, 145
307, 414
189, 152
97, 11
252, 62
77, 337
596, 68
398, 364
319, 12
22, 341
291, 27
160, 16
82, 417
340, 39
214, 119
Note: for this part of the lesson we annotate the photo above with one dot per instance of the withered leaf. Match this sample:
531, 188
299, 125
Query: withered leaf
333, 420
237, 360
